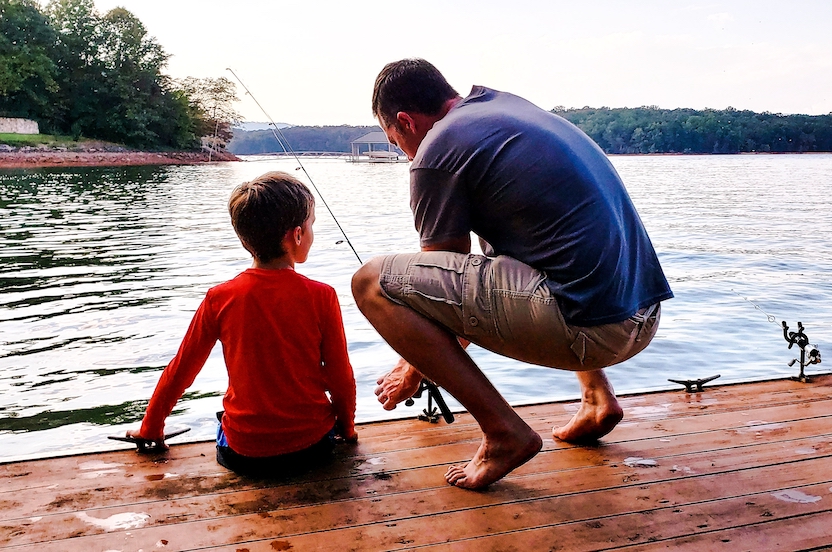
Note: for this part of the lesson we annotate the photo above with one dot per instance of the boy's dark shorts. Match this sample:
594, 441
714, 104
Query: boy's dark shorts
275, 467
506, 306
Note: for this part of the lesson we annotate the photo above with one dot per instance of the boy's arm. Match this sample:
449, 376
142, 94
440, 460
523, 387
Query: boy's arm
337, 368
180, 373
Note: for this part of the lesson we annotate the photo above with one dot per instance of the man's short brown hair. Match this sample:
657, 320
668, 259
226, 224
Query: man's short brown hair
410, 85
264, 209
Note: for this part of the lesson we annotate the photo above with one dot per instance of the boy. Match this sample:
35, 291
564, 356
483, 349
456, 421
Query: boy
283, 344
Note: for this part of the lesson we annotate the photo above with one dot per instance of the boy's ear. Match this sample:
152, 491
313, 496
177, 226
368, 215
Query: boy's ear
288, 238
293, 236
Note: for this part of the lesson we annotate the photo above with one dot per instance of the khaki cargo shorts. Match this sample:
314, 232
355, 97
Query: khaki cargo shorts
506, 306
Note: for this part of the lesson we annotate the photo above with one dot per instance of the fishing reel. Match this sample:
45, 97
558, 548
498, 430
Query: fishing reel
809, 354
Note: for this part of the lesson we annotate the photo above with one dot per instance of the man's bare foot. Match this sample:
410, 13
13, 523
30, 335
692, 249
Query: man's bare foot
398, 385
494, 459
591, 422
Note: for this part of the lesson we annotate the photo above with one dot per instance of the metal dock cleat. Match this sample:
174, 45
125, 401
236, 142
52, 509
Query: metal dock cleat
698, 383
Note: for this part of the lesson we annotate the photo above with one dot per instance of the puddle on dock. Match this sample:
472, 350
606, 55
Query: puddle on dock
116, 522
639, 462
793, 495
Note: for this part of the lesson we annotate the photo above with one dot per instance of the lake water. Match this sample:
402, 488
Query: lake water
103, 268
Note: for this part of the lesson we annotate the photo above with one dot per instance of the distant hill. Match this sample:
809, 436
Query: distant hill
300, 138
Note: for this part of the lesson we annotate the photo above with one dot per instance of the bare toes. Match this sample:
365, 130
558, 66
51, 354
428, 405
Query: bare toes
454, 474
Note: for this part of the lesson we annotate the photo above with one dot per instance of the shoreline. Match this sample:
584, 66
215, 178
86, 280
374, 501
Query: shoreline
95, 158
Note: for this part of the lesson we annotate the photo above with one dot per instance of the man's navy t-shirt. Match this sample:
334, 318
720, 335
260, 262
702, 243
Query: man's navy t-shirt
536, 188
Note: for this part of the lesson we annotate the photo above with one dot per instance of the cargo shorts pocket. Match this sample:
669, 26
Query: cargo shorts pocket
592, 351
445, 287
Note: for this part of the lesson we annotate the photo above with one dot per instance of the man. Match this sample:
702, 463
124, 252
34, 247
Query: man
570, 279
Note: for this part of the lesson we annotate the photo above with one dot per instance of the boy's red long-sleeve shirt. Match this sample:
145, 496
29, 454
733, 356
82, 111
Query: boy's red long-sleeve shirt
284, 347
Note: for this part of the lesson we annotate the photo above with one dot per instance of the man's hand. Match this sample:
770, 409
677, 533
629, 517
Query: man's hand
398, 385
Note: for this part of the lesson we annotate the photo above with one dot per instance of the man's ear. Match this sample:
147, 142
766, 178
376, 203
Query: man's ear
405, 121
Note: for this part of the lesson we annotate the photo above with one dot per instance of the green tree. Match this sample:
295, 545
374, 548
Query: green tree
81, 73
135, 93
112, 86
27, 70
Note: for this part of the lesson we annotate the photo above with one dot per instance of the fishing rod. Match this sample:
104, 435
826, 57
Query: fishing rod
284, 143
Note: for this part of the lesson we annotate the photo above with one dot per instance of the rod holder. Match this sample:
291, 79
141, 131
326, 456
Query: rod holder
809, 354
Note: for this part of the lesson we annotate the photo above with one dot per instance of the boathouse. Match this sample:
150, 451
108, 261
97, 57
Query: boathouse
374, 148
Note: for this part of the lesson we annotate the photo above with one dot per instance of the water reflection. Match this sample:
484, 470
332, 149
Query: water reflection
105, 415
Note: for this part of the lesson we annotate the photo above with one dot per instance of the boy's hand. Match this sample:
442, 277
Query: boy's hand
345, 436
157, 443
351, 438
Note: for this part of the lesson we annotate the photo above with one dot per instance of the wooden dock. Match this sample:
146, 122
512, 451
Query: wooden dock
736, 467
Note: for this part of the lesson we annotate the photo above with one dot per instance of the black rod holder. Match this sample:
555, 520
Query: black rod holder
800, 339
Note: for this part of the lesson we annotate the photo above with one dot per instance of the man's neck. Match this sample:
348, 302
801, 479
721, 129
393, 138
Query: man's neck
449, 105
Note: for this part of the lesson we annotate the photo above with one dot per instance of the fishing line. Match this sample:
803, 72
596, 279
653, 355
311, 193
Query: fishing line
771, 318
284, 143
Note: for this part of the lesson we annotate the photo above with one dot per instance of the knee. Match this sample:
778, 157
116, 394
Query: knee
365, 281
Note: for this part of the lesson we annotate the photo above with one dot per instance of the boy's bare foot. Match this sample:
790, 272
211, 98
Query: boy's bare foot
591, 422
494, 459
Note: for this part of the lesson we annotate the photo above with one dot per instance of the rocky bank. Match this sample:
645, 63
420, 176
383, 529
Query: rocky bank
94, 154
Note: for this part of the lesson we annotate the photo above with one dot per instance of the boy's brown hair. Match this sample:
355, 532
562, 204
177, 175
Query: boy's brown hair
264, 209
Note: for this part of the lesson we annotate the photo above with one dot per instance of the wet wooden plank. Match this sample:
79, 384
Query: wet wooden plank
796, 533
388, 491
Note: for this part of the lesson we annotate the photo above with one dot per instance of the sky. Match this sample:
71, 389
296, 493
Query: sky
313, 62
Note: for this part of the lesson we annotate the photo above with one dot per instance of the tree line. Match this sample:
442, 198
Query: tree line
80, 73
654, 130
618, 131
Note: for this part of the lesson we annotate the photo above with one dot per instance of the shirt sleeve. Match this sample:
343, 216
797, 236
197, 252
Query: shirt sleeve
181, 372
338, 372
441, 209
